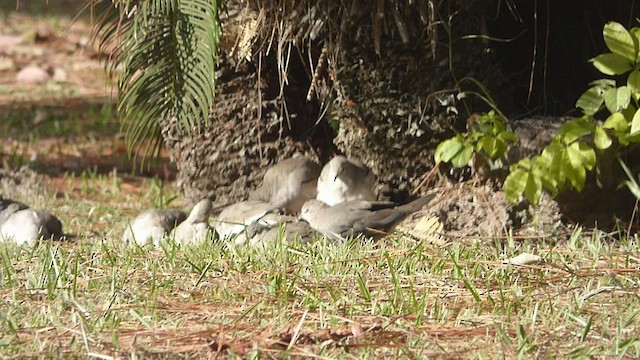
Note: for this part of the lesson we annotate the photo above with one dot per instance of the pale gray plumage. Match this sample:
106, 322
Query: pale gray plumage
196, 227
8, 207
343, 180
357, 216
288, 184
288, 229
23, 225
234, 221
152, 226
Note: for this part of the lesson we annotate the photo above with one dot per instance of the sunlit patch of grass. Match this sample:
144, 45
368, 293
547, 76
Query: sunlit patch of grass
396, 297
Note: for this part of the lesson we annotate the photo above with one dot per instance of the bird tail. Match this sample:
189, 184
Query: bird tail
417, 204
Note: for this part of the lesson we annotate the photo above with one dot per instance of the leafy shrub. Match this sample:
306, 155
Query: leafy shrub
581, 142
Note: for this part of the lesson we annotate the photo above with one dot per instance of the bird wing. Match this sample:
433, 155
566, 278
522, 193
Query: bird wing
9, 207
377, 221
168, 219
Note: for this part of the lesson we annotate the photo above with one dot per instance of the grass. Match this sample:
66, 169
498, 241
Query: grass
397, 297
92, 296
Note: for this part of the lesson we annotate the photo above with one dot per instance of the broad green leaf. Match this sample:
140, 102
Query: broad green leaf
575, 175
626, 139
628, 113
581, 155
619, 41
611, 64
590, 101
549, 166
514, 184
499, 148
463, 157
524, 165
549, 180
617, 99
635, 123
448, 149
633, 83
476, 135
508, 136
575, 129
487, 145
635, 35
588, 155
533, 188
573, 155
617, 122
601, 139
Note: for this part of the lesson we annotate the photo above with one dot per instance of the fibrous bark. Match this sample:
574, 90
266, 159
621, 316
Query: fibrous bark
295, 72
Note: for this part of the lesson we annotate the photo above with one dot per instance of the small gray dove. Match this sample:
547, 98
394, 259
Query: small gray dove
357, 216
343, 180
23, 225
235, 221
288, 184
152, 226
289, 229
196, 227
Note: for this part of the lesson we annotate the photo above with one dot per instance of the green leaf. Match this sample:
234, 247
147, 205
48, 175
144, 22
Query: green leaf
626, 139
581, 155
514, 184
632, 184
548, 178
533, 188
487, 145
611, 64
448, 149
167, 51
575, 175
628, 113
619, 41
591, 100
463, 157
508, 136
635, 35
635, 123
617, 122
633, 83
601, 139
617, 99
588, 155
499, 148
575, 129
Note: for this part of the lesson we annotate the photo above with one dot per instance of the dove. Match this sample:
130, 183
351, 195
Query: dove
357, 216
343, 180
288, 184
23, 225
196, 227
240, 220
152, 226
289, 229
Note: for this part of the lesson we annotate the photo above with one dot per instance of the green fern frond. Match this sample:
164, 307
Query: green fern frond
167, 51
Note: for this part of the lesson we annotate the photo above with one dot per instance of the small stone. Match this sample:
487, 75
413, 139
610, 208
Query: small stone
9, 41
524, 259
59, 75
32, 75
6, 63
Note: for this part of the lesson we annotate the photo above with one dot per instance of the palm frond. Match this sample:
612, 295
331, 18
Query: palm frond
167, 52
